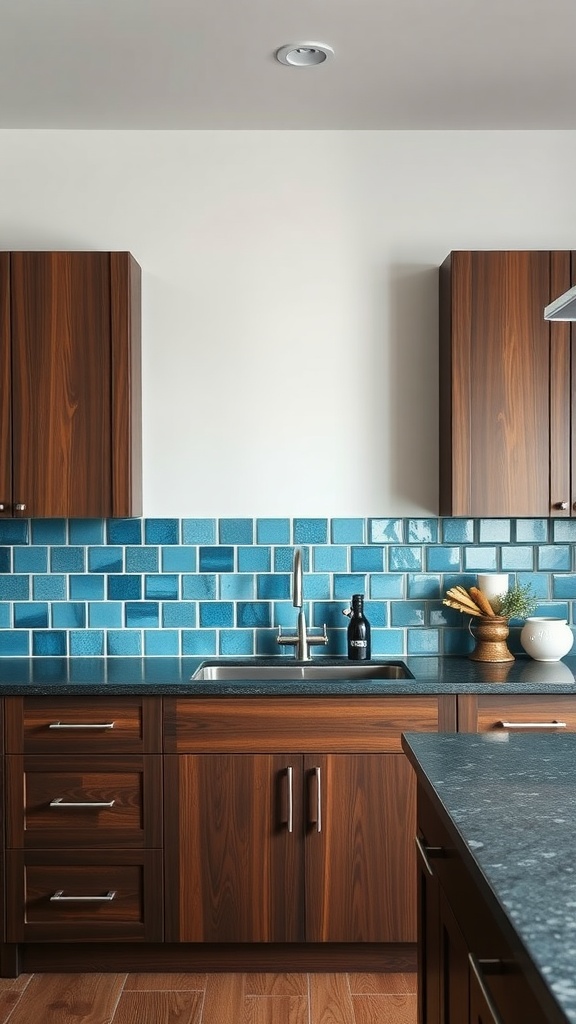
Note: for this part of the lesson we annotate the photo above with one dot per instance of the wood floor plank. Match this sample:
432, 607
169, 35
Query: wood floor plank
69, 999
330, 999
223, 999
165, 982
374, 1009
276, 985
8, 999
19, 983
159, 1008
274, 1010
380, 984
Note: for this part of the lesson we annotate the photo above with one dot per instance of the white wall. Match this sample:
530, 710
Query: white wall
289, 293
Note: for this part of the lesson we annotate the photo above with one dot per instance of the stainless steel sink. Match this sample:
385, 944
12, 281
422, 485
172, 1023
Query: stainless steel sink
218, 671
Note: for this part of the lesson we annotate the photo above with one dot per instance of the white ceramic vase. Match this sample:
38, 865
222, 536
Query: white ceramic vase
546, 639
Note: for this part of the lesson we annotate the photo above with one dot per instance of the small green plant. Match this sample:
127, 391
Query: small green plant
518, 602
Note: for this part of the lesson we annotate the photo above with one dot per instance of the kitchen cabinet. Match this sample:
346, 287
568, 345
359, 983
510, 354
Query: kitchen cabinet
70, 417
486, 712
507, 386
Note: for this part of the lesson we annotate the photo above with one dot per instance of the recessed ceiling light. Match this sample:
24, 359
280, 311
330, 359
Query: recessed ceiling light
304, 55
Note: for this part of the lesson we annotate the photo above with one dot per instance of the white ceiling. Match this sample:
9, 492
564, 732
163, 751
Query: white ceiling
186, 64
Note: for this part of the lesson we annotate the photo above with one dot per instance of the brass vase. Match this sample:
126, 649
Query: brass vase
490, 635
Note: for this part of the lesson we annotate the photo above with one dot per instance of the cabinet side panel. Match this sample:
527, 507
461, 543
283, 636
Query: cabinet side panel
455, 384
560, 393
125, 278
5, 389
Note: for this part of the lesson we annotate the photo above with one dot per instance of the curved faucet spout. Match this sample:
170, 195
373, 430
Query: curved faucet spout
297, 599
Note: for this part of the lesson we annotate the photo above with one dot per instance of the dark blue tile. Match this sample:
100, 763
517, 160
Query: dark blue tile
236, 531
69, 615
107, 559
179, 559
141, 559
348, 531
5, 560
199, 642
199, 588
87, 588
50, 643
216, 614
13, 531
142, 613
5, 615
86, 531
457, 641
270, 587
161, 587
87, 643
367, 559
329, 612
49, 588
14, 588
67, 559
30, 559
217, 559
310, 531
105, 614
32, 615
198, 531
564, 586
124, 642
124, 588
161, 642
162, 531
14, 644
272, 531
253, 614
265, 641
124, 531
48, 531
179, 615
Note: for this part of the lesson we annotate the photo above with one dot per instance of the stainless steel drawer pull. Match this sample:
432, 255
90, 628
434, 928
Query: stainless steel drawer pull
531, 725
318, 774
81, 725
290, 774
59, 897
426, 852
494, 967
59, 802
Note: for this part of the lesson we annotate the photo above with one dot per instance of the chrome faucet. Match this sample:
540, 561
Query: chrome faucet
301, 640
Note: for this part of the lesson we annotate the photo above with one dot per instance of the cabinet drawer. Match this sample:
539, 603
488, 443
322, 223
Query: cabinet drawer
529, 713
84, 897
75, 802
278, 724
66, 725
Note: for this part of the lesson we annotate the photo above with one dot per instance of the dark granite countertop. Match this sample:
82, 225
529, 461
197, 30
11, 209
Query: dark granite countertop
165, 676
511, 799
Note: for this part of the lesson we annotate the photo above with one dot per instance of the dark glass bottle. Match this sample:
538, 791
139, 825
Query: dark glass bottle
358, 631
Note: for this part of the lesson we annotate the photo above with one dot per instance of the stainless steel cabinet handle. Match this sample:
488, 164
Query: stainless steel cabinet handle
81, 725
20, 506
59, 802
476, 966
2, 506
290, 777
318, 776
59, 897
426, 852
531, 725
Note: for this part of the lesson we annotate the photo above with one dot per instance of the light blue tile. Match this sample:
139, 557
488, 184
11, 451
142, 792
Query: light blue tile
286, 615
49, 643
48, 531
459, 579
32, 615
387, 643
253, 614
87, 643
385, 531
5, 615
254, 559
200, 642
87, 588
271, 587
422, 585
14, 588
538, 582
457, 531
141, 614
554, 557
14, 644
50, 587
216, 614
407, 613
124, 642
30, 559
387, 585
6, 559
69, 615
161, 531
67, 560
198, 531
236, 642
105, 614
405, 559
553, 609
532, 531
105, 559
199, 588
457, 641
14, 531
237, 586
124, 588
377, 613
124, 531
564, 586
310, 531
514, 558
441, 615
422, 531
329, 612
161, 642
348, 531
494, 531
423, 641
284, 559
179, 559
86, 531
141, 559
367, 559
179, 615
162, 587
272, 531
444, 558
236, 531
483, 559
218, 559
330, 558
564, 531
347, 584
316, 587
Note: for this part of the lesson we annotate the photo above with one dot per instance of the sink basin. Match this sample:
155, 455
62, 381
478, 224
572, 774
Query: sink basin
218, 671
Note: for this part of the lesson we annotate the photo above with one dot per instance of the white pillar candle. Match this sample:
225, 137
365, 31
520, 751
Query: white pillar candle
493, 585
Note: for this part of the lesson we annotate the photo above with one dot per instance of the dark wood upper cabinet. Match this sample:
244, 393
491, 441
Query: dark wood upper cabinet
70, 415
507, 386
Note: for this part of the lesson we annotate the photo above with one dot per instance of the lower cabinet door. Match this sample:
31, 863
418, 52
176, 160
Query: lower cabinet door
454, 968
80, 896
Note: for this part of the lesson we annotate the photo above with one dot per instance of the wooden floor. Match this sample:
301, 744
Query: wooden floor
209, 999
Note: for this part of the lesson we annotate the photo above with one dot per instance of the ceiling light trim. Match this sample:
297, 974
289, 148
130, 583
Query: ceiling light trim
304, 55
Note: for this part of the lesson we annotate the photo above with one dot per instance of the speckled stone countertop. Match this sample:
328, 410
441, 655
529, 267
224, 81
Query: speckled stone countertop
164, 676
512, 800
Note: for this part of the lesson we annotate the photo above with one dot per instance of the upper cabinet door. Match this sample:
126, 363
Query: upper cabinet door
75, 384
505, 408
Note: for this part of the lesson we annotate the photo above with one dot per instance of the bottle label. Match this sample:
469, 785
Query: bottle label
358, 643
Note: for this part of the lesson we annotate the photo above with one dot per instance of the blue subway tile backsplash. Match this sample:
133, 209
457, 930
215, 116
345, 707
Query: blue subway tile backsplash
207, 587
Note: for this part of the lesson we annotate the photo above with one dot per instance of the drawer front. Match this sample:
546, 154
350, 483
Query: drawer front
83, 898
55, 802
518, 713
285, 724
39, 725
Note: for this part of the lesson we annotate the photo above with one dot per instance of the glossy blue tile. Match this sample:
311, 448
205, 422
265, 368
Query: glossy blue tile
316, 587
553, 609
236, 642
67, 559
6, 560
30, 559
481, 559
517, 558
199, 642
387, 585
538, 582
337, 646
14, 588
441, 615
69, 615
426, 586
199, 588
272, 531
124, 588
286, 615
179, 615
423, 641
105, 559
237, 587
265, 643
377, 613
367, 559
555, 557
141, 559
330, 558
385, 531
105, 614
48, 531
533, 531
564, 586
460, 579
329, 612
422, 531
14, 644
270, 587
310, 531
216, 559
564, 531
494, 531
179, 559
253, 614
457, 641
163, 587
348, 531
49, 643
87, 588
87, 643
140, 614
236, 531
347, 584
49, 588
5, 615
405, 559
254, 559
444, 558
124, 642
86, 531
32, 615
457, 531
284, 559
162, 531
387, 643
198, 531
216, 614
407, 613
161, 642
124, 531
13, 531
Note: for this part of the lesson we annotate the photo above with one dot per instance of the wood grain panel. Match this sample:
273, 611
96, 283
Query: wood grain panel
330, 999
560, 394
126, 380
159, 1008
5, 389
69, 999
137, 725
293, 724
492, 710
